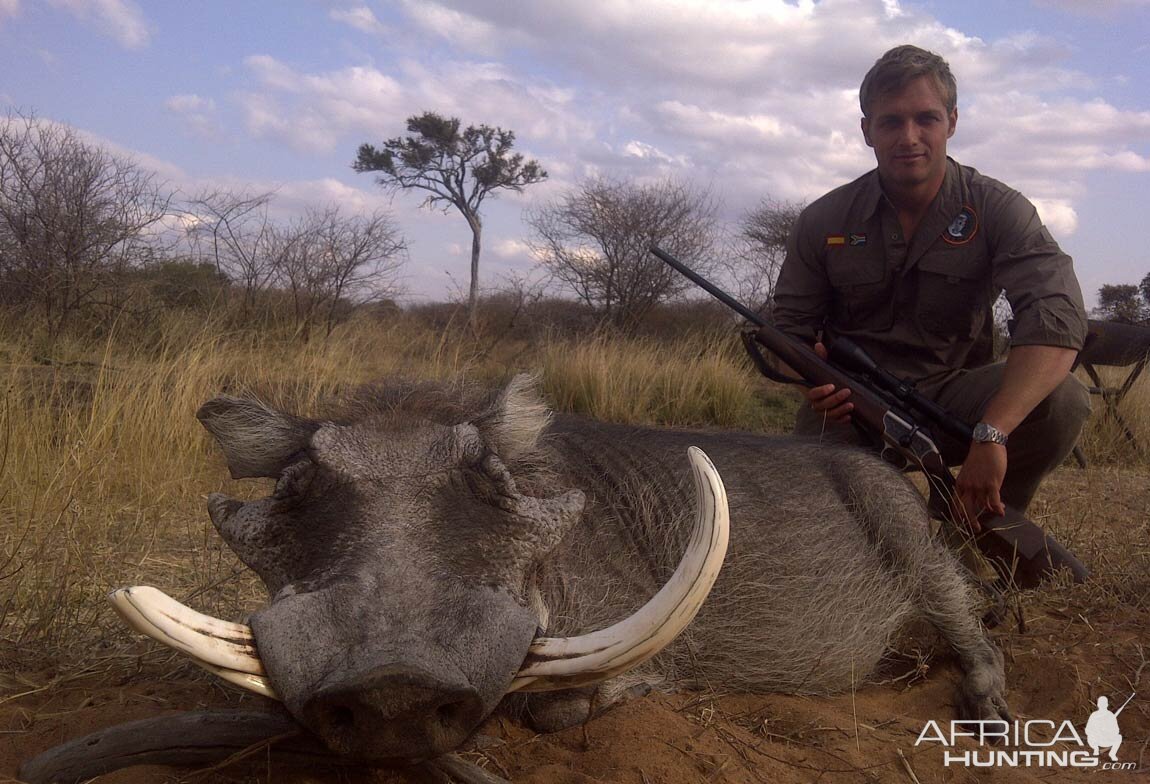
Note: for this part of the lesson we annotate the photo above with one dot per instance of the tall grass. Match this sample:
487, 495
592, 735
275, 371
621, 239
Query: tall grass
1105, 438
702, 382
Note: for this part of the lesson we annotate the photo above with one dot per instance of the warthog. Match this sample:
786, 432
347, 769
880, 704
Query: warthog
414, 550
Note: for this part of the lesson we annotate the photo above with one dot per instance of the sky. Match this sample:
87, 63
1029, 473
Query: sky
753, 99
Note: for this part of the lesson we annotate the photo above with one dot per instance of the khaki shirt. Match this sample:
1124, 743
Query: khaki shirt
924, 308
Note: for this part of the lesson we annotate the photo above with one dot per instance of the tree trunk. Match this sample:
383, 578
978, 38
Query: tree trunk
473, 295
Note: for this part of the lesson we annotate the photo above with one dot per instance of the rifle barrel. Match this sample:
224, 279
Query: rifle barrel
709, 287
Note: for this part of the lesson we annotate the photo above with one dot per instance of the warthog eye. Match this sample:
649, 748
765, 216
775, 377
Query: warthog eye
294, 481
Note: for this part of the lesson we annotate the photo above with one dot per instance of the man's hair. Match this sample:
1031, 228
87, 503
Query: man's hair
901, 66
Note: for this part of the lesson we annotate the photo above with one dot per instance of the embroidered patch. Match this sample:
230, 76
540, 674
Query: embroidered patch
963, 228
857, 239
836, 239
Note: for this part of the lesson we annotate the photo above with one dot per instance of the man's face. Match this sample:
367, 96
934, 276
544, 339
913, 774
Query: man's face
908, 131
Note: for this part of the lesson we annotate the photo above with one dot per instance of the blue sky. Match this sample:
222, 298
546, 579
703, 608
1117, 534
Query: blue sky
749, 97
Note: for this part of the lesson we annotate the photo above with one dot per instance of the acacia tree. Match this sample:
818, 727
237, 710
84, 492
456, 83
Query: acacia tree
1124, 302
596, 241
760, 247
72, 217
456, 168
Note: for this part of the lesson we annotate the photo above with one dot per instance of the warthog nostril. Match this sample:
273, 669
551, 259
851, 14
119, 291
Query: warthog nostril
454, 713
392, 714
341, 717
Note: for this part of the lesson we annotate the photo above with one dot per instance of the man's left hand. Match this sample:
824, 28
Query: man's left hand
980, 480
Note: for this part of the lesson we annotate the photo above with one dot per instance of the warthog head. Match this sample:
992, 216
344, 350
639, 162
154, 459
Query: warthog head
393, 549
399, 552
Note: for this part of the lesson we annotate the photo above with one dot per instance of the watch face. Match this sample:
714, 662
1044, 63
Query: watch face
985, 433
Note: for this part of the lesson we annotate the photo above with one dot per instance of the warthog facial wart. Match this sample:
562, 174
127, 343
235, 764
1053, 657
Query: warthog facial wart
437, 553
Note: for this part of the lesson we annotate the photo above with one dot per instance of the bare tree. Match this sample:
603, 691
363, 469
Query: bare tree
234, 230
325, 259
72, 217
595, 240
456, 168
758, 251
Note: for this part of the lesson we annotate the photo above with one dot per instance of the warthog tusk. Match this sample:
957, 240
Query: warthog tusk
245, 680
220, 647
564, 662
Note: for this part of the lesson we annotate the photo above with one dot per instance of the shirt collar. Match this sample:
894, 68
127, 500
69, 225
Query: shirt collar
948, 200
872, 194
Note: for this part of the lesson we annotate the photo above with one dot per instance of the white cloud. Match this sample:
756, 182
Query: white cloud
316, 112
1059, 216
361, 18
642, 150
9, 8
199, 113
1046, 148
311, 111
458, 27
121, 19
508, 248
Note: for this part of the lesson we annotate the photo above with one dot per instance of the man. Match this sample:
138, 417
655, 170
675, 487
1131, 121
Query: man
907, 261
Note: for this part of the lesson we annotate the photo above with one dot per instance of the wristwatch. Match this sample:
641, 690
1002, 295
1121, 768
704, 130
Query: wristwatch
988, 434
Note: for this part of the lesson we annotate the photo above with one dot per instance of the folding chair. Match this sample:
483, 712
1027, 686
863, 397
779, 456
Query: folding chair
1110, 344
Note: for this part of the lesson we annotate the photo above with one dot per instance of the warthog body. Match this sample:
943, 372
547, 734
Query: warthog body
412, 554
413, 550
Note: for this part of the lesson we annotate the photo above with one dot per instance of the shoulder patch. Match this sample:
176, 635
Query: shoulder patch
963, 227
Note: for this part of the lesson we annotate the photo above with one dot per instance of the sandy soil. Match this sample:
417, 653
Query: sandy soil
1075, 644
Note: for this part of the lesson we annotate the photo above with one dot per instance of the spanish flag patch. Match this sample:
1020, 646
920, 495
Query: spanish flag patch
836, 239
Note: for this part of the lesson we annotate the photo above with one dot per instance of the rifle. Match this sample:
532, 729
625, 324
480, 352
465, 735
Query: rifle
885, 407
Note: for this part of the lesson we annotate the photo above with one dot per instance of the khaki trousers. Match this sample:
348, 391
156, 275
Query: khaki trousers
1036, 447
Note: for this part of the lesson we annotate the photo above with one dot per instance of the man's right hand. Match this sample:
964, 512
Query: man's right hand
826, 400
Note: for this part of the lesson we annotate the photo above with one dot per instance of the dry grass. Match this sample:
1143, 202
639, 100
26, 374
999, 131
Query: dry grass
702, 383
1104, 439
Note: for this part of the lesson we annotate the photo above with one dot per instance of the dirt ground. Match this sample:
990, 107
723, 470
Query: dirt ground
1074, 644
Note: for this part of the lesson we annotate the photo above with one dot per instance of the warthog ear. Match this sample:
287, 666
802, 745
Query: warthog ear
257, 440
513, 425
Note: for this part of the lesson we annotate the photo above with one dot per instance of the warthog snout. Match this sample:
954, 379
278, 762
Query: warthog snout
394, 711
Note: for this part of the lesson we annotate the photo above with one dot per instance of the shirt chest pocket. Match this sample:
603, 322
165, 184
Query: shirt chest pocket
862, 296
953, 295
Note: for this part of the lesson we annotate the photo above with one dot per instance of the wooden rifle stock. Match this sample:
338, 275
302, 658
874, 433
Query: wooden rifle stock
1017, 548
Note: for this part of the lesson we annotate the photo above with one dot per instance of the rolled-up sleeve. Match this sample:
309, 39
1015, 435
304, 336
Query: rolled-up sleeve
803, 292
1037, 276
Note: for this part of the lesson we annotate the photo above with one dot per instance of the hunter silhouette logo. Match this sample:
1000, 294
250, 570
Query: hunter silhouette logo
1102, 728
1030, 743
